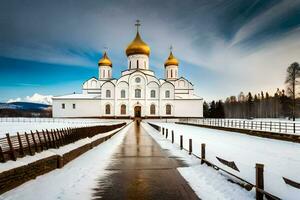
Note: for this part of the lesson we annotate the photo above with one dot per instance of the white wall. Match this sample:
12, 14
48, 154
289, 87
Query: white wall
143, 61
84, 108
105, 72
188, 108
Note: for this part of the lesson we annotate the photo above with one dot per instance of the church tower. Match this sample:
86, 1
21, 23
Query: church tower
138, 52
105, 67
171, 67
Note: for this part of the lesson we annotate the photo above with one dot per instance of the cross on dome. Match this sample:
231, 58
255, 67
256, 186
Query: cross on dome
137, 24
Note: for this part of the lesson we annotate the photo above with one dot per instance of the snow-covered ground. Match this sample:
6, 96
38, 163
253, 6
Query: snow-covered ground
76, 180
280, 159
21, 125
208, 183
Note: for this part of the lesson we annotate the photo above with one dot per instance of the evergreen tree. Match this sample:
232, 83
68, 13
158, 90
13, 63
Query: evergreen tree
205, 110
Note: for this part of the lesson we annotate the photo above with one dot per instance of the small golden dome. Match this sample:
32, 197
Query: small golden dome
171, 60
105, 61
138, 46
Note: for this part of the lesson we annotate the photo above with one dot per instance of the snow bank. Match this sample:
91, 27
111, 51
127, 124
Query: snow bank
208, 183
21, 125
75, 180
281, 159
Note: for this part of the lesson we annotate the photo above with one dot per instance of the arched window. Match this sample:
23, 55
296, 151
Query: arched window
152, 109
123, 109
108, 94
107, 109
168, 109
137, 64
167, 94
108, 72
103, 73
129, 64
123, 94
152, 94
137, 93
171, 73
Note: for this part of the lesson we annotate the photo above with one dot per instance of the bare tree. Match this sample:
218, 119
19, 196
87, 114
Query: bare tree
293, 72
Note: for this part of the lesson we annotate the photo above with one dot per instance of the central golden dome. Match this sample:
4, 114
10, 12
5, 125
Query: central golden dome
138, 46
105, 61
171, 60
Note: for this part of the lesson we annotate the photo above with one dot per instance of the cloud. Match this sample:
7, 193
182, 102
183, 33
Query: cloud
35, 98
239, 41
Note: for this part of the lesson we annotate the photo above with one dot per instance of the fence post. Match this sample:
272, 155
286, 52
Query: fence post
40, 140
49, 139
202, 153
260, 125
12, 150
181, 142
21, 150
190, 146
167, 133
34, 142
59, 138
172, 136
259, 181
270, 126
279, 127
2, 158
294, 127
28, 143
45, 139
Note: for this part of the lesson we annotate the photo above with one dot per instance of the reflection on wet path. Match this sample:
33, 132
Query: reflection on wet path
142, 170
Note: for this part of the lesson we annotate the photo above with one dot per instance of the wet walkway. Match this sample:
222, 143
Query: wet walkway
143, 170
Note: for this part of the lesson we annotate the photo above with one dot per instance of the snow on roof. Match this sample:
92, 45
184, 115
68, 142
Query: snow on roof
79, 96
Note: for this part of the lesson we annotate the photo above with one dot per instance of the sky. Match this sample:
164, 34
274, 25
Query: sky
224, 46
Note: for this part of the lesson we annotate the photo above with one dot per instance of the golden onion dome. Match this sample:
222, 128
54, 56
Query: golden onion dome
105, 61
171, 60
138, 46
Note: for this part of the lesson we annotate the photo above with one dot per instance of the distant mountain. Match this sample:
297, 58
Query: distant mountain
24, 106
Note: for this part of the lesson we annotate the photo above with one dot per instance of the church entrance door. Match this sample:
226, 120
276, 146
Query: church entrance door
137, 111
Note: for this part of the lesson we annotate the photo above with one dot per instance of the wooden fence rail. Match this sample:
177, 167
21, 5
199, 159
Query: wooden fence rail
267, 126
20, 145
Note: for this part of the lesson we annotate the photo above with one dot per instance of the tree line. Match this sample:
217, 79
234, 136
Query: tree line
282, 104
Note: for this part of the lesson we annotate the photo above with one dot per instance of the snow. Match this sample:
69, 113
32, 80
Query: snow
51, 152
25, 161
208, 183
280, 158
75, 180
21, 125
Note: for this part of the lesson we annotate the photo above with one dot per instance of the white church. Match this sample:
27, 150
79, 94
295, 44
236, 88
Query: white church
137, 93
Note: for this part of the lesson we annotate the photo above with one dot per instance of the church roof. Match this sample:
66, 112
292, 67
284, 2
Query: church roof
171, 60
79, 96
105, 61
137, 46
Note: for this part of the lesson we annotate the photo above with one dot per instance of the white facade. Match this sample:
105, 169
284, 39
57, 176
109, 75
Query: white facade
137, 93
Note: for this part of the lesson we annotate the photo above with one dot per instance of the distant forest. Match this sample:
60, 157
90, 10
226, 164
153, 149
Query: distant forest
262, 105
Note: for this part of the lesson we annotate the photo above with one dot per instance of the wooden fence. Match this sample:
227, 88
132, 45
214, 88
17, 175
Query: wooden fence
20, 145
259, 168
267, 126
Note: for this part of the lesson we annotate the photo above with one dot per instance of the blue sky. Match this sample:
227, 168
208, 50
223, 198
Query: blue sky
224, 47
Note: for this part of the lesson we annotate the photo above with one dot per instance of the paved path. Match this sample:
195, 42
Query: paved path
143, 170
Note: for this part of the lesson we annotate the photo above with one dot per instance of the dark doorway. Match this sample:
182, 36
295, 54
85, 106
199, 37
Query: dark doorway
137, 111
